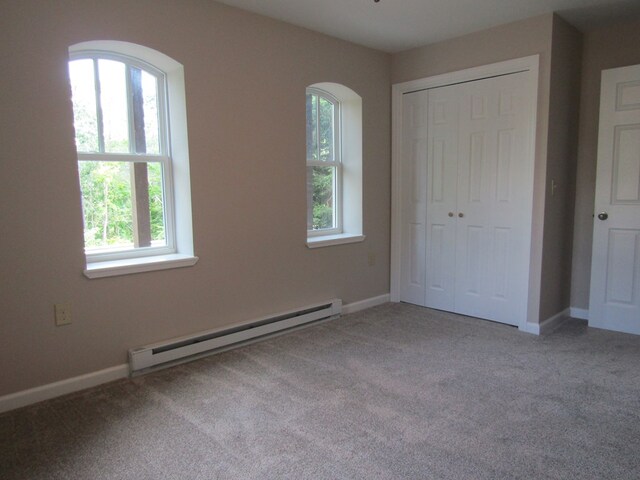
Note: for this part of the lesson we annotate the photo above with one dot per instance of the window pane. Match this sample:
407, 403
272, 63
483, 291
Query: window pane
321, 181
156, 204
83, 93
326, 130
113, 101
150, 99
312, 127
106, 204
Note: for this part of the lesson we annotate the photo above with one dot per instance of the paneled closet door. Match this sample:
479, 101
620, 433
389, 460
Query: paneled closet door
493, 199
476, 237
442, 186
414, 195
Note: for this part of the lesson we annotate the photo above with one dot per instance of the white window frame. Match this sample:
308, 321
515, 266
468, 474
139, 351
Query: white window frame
173, 145
336, 163
348, 188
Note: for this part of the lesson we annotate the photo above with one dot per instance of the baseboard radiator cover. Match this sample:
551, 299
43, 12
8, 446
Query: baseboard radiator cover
182, 349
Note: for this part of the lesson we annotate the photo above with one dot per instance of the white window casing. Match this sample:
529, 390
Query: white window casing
348, 135
174, 156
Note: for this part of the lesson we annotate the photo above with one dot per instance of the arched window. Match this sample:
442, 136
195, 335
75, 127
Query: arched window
334, 165
133, 207
324, 170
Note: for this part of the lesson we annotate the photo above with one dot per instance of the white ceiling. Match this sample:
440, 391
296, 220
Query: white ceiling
395, 25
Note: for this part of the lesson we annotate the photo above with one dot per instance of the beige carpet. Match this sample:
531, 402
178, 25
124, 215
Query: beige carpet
396, 391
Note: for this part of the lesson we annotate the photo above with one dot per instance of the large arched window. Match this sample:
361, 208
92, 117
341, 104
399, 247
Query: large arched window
334, 165
134, 211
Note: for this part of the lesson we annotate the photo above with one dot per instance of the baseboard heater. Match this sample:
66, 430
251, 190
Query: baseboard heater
179, 350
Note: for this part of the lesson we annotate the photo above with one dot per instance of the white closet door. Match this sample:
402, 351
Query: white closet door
442, 180
493, 199
414, 205
615, 270
467, 174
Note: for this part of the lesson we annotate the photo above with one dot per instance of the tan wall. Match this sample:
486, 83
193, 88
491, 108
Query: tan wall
609, 47
564, 101
519, 39
245, 84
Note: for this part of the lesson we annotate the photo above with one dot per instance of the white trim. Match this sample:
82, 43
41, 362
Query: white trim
579, 313
530, 64
338, 239
548, 325
93, 379
364, 304
138, 265
174, 144
63, 387
349, 188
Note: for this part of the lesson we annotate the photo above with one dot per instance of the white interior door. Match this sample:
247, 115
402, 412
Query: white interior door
467, 212
615, 271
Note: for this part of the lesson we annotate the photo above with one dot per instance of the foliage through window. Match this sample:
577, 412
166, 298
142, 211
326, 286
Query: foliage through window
119, 109
323, 163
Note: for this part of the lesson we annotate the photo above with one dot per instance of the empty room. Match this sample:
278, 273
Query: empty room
345, 239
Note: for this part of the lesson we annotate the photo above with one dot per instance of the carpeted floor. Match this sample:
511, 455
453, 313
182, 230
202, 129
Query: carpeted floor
396, 391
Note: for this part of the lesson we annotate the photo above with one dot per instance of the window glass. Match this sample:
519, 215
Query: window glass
150, 109
108, 199
325, 128
113, 103
83, 91
106, 204
322, 181
312, 127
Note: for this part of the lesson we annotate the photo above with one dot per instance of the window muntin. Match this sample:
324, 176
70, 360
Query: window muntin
119, 106
324, 168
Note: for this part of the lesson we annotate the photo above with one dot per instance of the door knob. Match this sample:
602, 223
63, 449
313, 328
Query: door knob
603, 216
451, 214
461, 214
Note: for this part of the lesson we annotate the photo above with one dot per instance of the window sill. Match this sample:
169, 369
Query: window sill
328, 240
138, 265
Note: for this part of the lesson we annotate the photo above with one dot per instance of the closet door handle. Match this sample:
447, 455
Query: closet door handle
451, 214
461, 214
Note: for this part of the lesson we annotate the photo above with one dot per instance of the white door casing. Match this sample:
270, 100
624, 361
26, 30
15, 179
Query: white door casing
477, 264
614, 300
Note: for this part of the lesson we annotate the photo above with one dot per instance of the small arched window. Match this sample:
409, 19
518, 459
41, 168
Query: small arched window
334, 165
123, 138
324, 170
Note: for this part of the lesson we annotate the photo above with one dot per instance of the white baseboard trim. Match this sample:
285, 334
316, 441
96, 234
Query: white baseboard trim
364, 304
579, 313
547, 325
81, 382
63, 387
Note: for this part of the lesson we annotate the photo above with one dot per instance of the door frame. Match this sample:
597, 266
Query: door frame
529, 64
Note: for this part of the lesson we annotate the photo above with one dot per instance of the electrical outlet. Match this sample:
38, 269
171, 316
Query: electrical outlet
63, 314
